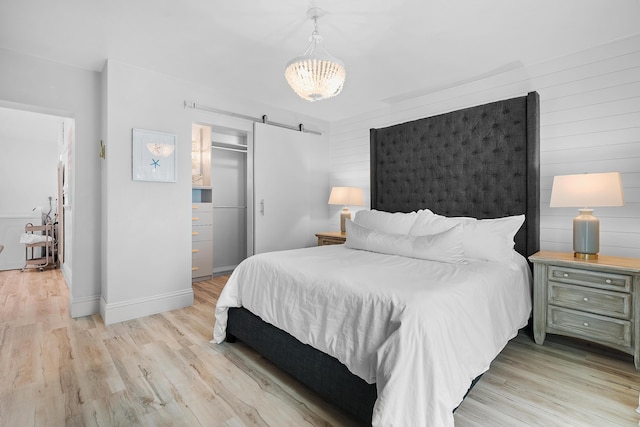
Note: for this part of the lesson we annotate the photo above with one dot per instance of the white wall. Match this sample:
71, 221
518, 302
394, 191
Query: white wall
33, 138
147, 225
147, 262
590, 122
52, 88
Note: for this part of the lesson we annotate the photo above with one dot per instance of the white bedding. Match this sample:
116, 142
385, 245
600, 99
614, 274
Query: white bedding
421, 330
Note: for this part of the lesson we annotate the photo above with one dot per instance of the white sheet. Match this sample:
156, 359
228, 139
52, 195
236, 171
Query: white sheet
422, 330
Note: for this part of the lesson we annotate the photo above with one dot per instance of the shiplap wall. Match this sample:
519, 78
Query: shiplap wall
590, 122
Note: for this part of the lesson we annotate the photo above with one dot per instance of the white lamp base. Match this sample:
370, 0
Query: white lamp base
586, 235
344, 216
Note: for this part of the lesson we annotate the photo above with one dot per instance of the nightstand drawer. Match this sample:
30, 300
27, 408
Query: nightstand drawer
590, 326
331, 238
593, 300
596, 279
322, 241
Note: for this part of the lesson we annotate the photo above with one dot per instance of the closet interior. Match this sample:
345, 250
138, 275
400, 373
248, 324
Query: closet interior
219, 200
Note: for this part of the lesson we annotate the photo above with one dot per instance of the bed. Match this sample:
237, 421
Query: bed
480, 162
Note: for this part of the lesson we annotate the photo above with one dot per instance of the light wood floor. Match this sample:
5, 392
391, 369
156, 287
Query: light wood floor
161, 370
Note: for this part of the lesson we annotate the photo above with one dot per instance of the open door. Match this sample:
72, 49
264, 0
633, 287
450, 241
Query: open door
60, 210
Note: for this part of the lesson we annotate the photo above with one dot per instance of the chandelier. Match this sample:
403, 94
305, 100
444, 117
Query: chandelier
316, 74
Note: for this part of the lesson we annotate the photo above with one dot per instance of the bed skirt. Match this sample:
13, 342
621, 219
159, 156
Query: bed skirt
320, 372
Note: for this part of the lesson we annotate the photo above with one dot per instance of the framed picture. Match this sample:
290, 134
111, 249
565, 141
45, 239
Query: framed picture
153, 156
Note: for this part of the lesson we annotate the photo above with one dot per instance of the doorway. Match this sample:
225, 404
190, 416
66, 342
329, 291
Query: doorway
35, 167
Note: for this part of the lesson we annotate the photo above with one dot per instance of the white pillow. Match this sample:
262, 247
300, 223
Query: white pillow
428, 222
444, 247
491, 239
484, 239
386, 222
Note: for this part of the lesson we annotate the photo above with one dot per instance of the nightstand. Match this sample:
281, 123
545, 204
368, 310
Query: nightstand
331, 238
595, 300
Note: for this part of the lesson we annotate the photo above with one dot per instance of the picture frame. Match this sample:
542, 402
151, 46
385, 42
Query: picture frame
153, 156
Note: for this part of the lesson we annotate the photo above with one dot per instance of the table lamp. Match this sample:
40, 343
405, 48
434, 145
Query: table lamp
345, 196
586, 191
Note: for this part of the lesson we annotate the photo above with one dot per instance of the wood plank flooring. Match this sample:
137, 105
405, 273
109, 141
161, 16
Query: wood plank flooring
161, 370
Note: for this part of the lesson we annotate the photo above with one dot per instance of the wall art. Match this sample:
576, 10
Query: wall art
153, 156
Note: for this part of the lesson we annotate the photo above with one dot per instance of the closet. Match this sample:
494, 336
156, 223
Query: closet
201, 206
229, 188
219, 200
266, 190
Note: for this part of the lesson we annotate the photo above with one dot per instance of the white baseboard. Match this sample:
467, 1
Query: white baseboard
66, 273
5, 266
133, 309
84, 306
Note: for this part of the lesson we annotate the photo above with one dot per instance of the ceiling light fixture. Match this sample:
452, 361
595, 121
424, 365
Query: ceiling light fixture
316, 74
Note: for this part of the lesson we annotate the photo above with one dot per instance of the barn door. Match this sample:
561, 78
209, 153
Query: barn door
281, 188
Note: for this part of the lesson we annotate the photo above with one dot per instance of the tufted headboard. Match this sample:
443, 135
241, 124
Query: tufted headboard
481, 161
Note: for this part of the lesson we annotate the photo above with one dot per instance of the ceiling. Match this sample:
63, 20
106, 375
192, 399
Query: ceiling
392, 49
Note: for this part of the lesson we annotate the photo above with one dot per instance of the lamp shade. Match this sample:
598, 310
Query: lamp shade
587, 190
346, 196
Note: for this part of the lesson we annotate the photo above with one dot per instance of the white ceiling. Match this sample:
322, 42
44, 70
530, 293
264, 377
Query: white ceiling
392, 49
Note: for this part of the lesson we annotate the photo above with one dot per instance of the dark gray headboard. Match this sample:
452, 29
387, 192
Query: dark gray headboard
482, 161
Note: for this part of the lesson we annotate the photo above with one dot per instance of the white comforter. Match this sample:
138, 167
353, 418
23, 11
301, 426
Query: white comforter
421, 330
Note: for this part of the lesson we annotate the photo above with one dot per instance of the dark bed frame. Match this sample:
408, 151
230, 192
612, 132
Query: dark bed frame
481, 161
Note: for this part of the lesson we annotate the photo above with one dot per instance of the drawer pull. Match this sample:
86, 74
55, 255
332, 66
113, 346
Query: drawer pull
608, 281
195, 218
194, 207
195, 251
565, 275
194, 233
585, 324
194, 268
585, 299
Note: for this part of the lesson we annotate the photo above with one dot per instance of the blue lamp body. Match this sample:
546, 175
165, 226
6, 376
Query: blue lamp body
586, 235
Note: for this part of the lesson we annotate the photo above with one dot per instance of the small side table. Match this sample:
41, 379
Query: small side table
331, 238
595, 300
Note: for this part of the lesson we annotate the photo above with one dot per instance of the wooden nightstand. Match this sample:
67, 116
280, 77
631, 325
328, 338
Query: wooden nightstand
331, 238
595, 300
